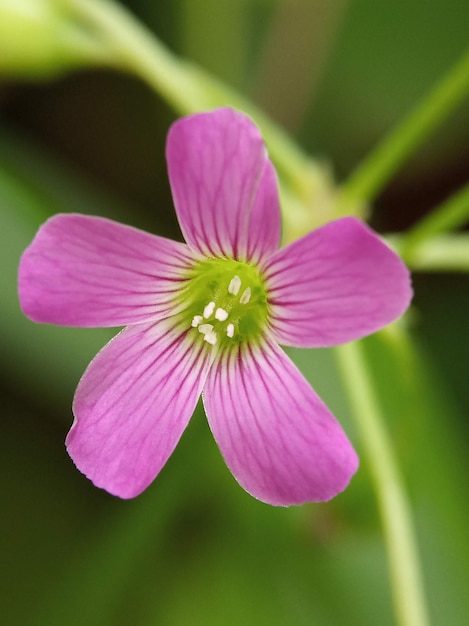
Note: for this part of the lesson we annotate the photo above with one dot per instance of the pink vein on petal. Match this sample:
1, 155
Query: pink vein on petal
90, 271
224, 186
336, 284
278, 438
132, 405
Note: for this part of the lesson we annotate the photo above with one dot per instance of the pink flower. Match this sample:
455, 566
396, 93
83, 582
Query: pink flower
207, 317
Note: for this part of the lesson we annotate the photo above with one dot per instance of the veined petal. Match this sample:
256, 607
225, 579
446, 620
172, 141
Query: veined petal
133, 404
264, 219
277, 437
224, 186
336, 284
91, 271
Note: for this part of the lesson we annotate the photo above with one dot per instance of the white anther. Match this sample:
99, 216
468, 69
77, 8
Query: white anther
235, 285
221, 314
209, 309
246, 296
205, 328
230, 330
211, 337
196, 320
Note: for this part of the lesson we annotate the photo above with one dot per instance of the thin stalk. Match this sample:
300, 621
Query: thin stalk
449, 215
186, 87
190, 89
443, 253
377, 169
308, 195
392, 499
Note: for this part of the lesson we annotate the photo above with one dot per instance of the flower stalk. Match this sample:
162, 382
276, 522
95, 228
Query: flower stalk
381, 165
449, 215
307, 190
396, 517
186, 87
444, 253
38, 40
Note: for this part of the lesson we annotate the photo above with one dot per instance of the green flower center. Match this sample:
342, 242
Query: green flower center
225, 301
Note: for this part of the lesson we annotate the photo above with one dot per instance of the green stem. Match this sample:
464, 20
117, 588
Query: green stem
378, 168
451, 214
308, 197
445, 253
186, 87
392, 500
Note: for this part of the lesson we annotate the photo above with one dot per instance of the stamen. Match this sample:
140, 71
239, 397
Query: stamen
235, 285
209, 309
205, 328
211, 337
221, 314
246, 296
226, 301
197, 319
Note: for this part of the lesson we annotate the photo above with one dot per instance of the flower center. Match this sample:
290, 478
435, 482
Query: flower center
225, 301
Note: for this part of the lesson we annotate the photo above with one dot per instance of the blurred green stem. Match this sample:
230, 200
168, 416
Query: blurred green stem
392, 499
378, 168
306, 192
190, 89
443, 253
186, 87
449, 215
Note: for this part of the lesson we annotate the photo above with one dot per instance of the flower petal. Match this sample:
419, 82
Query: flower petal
132, 406
336, 284
224, 186
277, 437
90, 271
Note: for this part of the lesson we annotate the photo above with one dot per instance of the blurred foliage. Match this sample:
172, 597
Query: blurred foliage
195, 549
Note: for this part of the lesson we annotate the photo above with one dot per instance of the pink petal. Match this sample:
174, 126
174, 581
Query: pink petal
132, 406
224, 186
90, 271
277, 437
336, 284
